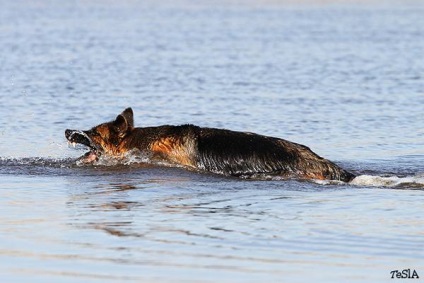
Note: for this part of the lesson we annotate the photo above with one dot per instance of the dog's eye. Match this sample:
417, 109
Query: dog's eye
94, 133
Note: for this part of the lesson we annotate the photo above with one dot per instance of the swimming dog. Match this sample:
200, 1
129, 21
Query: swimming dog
231, 153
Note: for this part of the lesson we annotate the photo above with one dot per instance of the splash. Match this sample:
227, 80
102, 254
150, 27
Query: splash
411, 182
133, 157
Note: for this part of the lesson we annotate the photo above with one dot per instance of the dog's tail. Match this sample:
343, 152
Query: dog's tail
337, 173
316, 167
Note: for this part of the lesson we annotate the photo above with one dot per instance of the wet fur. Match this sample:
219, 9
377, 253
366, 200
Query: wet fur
215, 150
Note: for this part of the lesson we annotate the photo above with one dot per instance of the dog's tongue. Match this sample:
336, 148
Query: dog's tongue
89, 157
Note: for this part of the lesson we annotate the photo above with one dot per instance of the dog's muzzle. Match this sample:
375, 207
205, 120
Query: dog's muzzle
80, 137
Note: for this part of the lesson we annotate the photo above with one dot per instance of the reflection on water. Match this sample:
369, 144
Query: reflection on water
134, 225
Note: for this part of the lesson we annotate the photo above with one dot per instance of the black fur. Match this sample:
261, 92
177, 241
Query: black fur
245, 154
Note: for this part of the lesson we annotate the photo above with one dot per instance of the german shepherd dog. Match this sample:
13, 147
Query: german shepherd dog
220, 151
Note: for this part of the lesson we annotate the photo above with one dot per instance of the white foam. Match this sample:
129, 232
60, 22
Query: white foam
329, 182
391, 181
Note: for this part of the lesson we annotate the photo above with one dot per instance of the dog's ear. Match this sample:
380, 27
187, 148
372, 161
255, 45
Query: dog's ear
129, 117
124, 122
120, 125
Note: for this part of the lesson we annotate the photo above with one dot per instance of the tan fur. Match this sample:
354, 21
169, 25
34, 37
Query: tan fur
173, 150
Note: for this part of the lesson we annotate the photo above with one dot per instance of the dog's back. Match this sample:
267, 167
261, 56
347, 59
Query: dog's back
245, 154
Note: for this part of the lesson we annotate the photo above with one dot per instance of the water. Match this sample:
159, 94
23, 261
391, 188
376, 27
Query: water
344, 78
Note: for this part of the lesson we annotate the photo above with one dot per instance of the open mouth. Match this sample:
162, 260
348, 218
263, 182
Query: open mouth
79, 137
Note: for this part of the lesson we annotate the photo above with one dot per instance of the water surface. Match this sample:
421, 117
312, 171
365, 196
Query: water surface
345, 79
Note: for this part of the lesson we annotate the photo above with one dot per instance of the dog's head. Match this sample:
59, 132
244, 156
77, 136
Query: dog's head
105, 138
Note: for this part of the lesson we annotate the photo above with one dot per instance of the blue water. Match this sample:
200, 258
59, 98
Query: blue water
343, 78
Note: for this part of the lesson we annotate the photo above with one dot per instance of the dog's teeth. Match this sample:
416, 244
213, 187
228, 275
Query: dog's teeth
74, 144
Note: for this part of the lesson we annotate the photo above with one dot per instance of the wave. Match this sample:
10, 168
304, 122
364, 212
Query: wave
66, 166
410, 182
36, 162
